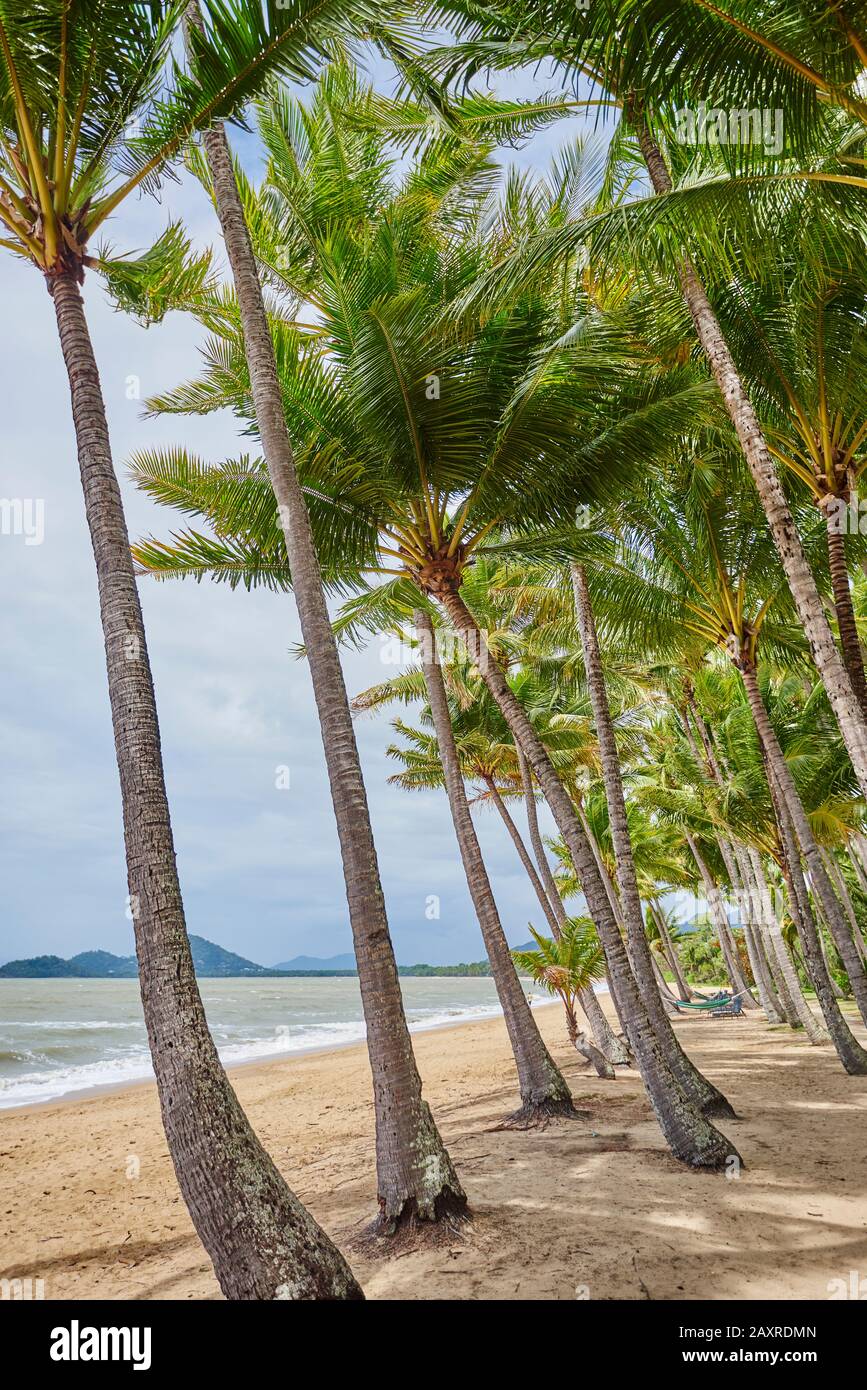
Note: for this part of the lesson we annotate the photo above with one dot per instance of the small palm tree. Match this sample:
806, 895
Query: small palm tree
567, 966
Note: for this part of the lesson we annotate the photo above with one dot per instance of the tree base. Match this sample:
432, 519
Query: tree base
719, 1108
539, 1114
409, 1228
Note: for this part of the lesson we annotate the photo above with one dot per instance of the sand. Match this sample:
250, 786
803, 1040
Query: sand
597, 1208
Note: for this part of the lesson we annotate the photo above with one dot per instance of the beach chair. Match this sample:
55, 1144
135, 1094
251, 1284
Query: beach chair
732, 1009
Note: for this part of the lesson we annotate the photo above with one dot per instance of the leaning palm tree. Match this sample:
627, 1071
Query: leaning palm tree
419, 442
92, 108
437, 761
638, 63
415, 1177
709, 580
567, 965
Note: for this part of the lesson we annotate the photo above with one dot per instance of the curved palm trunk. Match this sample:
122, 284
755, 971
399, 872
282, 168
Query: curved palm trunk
808, 602
828, 901
848, 1049
850, 642
415, 1176
544, 1092
262, 1241
697, 1086
795, 1007
604, 1036
582, 1043
688, 1133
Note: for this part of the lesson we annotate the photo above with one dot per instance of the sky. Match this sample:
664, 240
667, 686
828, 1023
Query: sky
259, 862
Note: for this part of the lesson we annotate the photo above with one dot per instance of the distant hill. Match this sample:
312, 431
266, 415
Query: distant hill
211, 962
318, 963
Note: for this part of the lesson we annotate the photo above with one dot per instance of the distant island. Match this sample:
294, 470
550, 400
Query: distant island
212, 962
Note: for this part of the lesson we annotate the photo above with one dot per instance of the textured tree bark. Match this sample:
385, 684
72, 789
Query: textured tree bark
808, 602
848, 1049
604, 1037
415, 1176
697, 1086
261, 1240
850, 642
690, 1136
831, 909
543, 1090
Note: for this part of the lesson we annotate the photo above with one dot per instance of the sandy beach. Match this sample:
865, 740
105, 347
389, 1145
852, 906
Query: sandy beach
590, 1208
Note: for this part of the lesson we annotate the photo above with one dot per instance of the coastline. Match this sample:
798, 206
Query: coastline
592, 1208
265, 1060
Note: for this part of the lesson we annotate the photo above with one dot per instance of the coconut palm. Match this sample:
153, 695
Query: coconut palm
483, 758
415, 1177
707, 555
436, 759
426, 442
567, 965
93, 106
613, 47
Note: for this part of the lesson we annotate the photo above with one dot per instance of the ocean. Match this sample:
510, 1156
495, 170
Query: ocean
62, 1036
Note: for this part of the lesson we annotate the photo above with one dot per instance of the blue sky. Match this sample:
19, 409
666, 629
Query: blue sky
259, 865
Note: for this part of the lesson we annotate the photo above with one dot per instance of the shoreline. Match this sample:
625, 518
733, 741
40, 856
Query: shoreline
100, 1088
591, 1208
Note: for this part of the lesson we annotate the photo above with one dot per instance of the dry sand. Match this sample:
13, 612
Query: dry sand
595, 1203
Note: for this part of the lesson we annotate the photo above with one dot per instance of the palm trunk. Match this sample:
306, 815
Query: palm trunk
696, 1085
543, 1090
850, 642
684, 991
762, 973
604, 1036
849, 1050
415, 1176
797, 1011
837, 877
827, 898
808, 602
526, 861
719, 919
262, 1241
584, 1046
688, 1133
728, 858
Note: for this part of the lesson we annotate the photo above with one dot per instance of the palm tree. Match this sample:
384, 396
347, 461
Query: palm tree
567, 965
419, 444
544, 1091
93, 108
479, 758
415, 1177
634, 64
696, 544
